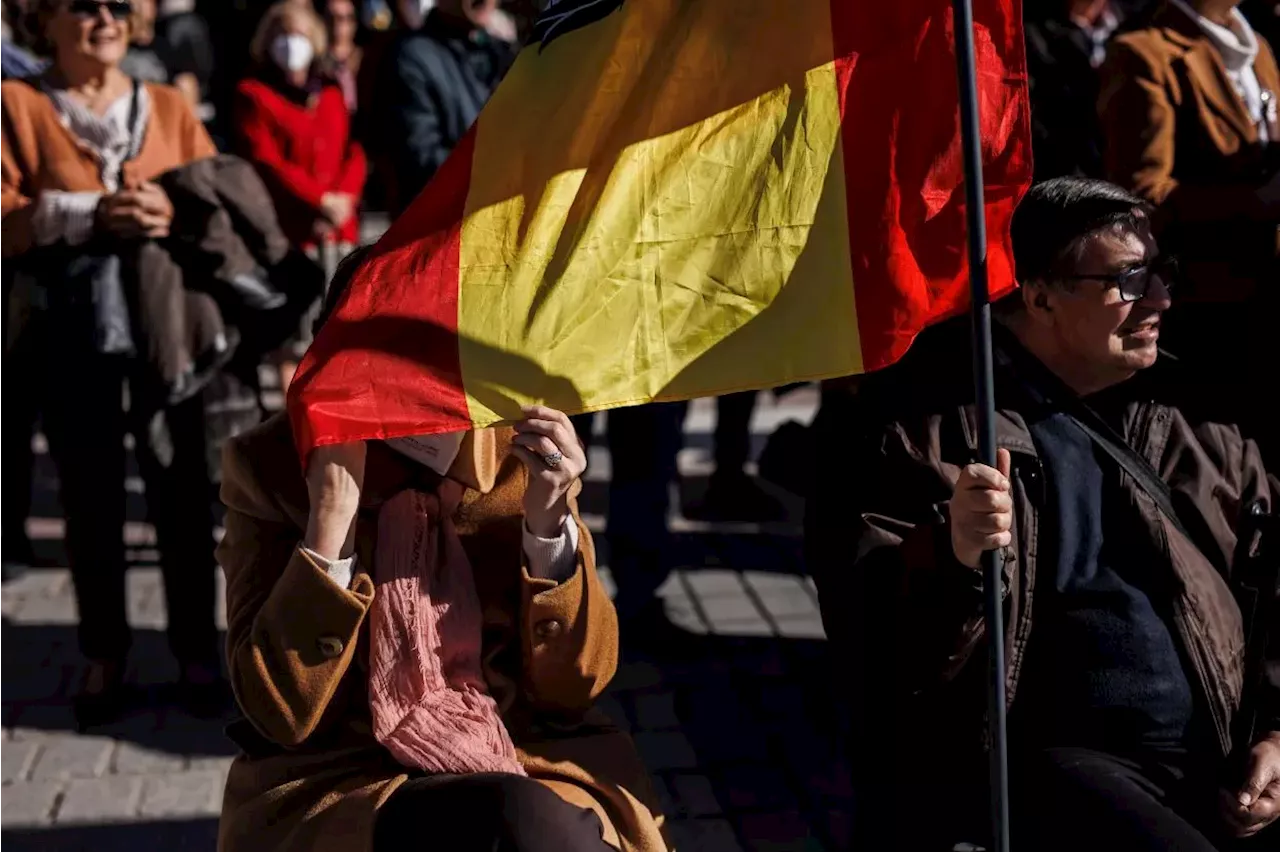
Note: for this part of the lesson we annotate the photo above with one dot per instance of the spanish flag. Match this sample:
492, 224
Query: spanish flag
668, 199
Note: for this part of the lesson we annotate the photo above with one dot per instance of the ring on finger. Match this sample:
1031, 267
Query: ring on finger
553, 460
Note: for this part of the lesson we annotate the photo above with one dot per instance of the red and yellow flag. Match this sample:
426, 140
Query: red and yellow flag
676, 198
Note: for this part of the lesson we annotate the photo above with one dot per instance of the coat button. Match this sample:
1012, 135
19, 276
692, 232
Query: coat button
549, 629
330, 646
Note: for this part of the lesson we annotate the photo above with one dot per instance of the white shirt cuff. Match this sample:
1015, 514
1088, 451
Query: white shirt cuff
549, 558
339, 571
64, 216
553, 558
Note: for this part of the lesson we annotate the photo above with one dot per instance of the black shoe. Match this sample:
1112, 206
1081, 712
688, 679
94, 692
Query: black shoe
736, 497
103, 698
206, 368
19, 556
203, 693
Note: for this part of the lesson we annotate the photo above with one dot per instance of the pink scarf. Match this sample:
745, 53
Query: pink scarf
430, 704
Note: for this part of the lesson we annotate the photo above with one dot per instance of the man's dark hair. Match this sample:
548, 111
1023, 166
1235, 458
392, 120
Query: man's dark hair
1055, 215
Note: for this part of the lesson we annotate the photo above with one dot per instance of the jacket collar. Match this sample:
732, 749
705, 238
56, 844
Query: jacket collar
1205, 67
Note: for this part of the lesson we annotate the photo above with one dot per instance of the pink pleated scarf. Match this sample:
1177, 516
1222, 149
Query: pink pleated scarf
430, 704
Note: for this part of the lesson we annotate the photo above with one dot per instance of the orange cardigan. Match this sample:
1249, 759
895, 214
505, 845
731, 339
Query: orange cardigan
39, 153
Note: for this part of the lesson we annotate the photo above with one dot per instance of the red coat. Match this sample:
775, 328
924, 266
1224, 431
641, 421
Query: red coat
302, 150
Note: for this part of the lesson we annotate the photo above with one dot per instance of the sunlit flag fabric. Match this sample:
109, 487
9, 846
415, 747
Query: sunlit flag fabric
667, 199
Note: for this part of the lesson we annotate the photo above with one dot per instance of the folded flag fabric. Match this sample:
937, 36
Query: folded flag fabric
667, 199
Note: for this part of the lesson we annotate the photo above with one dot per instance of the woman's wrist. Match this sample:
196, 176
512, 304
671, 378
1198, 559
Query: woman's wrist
330, 533
548, 522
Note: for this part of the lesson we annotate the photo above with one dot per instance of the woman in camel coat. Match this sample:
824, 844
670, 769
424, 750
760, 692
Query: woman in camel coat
343, 747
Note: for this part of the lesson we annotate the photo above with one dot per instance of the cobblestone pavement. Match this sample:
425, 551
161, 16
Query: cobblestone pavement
736, 733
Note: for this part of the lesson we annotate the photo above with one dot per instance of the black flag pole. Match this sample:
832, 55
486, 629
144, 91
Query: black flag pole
984, 385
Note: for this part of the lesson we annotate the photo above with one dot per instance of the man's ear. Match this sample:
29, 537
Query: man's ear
1038, 302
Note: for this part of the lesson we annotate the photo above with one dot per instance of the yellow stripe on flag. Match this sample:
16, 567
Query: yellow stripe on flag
663, 218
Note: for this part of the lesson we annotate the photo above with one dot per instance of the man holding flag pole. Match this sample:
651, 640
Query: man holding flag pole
1136, 527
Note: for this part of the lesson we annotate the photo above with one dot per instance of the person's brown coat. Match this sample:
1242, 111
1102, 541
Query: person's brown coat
905, 618
312, 776
40, 154
1178, 135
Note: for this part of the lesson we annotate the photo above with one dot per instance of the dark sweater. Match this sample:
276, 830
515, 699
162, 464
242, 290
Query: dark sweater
1104, 668
435, 84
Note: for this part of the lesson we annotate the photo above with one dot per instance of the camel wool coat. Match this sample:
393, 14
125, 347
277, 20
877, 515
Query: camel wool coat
39, 153
311, 776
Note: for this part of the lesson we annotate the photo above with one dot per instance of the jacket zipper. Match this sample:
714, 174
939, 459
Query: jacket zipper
1197, 660
1149, 416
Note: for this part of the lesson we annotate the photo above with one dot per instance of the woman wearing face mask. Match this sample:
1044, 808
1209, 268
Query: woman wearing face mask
416, 634
82, 146
293, 123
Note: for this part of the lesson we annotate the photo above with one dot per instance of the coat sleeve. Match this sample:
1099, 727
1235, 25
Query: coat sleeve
355, 169
896, 603
569, 633
555, 650
257, 142
419, 148
17, 234
1138, 108
291, 631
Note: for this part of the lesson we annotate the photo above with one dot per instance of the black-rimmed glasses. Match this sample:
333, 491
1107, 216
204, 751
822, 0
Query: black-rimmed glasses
119, 9
1135, 282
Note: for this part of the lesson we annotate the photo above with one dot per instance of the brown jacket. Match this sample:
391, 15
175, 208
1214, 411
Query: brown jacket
906, 616
1178, 134
39, 153
312, 775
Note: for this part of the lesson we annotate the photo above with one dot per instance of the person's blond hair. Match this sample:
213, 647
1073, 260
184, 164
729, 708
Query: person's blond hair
40, 12
270, 26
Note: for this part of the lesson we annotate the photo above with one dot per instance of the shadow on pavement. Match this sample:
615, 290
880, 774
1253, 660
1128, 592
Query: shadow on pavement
741, 734
42, 670
199, 835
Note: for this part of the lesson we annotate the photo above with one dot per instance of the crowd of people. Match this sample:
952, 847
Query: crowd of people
181, 183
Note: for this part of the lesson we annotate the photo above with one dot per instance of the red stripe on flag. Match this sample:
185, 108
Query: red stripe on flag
386, 363
904, 175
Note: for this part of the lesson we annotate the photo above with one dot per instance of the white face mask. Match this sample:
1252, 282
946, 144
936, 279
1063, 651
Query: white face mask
434, 451
414, 12
292, 52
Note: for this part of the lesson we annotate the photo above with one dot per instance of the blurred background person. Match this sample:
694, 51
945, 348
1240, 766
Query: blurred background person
732, 494
292, 122
1188, 109
1066, 44
149, 62
16, 58
185, 45
81, 147
433, 84
342, 60
141, 62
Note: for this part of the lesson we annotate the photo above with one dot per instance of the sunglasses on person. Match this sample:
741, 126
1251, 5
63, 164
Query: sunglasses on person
120, 10
1135, 282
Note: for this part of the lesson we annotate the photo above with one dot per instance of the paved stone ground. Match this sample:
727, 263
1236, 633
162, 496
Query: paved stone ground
736, 733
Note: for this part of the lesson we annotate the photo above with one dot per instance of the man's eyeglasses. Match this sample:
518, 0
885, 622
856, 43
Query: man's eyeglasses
1135, 282
121, 10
